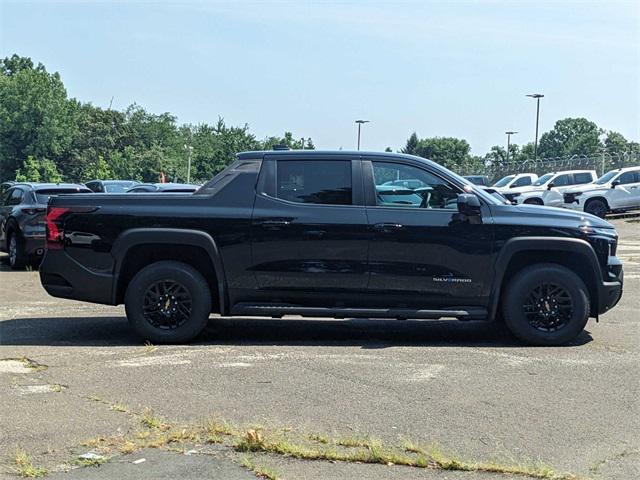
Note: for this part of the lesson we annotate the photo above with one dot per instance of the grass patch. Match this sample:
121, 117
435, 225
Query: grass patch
355, 442
151, 420
158, 433
316, 437
22, 465
260, 472
119, 407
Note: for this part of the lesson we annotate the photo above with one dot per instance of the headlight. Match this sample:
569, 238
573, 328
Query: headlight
577, 194
589, 230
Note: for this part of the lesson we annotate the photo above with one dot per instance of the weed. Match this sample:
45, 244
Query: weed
261, 472
151, 420
355, 442
22, 465
214, 426
118, 407
90, 461
148, 348
316, 437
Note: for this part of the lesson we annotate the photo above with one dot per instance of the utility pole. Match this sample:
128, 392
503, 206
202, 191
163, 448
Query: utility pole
508, 143
189, 148
537, 96
360, 123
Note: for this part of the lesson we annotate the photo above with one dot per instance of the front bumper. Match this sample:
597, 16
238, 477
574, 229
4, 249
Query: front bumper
610, 290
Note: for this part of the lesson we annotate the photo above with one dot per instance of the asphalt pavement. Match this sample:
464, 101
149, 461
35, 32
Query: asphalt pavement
72, 376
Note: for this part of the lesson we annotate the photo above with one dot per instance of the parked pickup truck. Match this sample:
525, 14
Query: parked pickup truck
332, 234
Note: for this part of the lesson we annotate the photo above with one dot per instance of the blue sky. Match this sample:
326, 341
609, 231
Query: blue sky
439, 68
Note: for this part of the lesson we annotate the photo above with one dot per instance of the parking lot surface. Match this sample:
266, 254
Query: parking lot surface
73, 376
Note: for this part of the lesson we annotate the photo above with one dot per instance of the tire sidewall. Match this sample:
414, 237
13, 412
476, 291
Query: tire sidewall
589, 208
20, 260
187, 276
529, 278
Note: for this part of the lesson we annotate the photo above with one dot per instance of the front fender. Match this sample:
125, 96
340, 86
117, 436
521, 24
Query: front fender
522, 244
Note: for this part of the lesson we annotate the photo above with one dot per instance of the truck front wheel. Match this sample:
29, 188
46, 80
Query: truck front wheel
546, 304
596, 207
168, 302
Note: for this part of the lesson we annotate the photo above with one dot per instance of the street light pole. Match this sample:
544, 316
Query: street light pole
360, 122
189, 148
537, 96
509, 143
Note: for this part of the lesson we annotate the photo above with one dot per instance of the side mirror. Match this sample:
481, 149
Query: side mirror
513, 185
550, 186
615, 184
468, 204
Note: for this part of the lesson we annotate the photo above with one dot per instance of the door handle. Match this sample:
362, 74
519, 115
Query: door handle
274, 224
315, 234
387, 227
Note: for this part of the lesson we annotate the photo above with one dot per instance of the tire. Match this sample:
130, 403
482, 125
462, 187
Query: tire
184, 302
533, 201
597, 207
15, 247
547, 320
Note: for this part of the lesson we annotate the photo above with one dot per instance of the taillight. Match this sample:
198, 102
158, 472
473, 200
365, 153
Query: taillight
55, 230
55, 224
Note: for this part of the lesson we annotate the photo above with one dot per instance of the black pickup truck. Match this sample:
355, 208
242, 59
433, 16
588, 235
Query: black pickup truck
332, 234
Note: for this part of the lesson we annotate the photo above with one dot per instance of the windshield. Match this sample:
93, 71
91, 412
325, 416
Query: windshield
43, 195
543, 179
504, 181
606, 177
119, 187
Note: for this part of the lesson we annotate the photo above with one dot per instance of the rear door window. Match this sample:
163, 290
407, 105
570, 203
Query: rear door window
580, 178
325, 182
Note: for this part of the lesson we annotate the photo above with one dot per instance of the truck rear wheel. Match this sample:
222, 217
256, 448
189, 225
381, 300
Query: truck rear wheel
546, 304
168, 302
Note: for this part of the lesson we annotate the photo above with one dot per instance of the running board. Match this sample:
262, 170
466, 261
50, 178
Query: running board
279, 310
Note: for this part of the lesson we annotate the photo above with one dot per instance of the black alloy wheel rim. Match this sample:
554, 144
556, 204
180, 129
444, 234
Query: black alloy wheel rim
598, 209
167, 304
548, 307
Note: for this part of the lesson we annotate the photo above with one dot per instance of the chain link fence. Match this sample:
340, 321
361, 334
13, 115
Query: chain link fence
601, 163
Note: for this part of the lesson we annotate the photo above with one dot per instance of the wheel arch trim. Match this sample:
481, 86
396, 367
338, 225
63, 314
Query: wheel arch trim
169, 236
514, 246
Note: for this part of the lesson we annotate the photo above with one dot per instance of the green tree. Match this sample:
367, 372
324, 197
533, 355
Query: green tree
35, 116
412, 144
616, 143
447, 151
570, 136
38, 170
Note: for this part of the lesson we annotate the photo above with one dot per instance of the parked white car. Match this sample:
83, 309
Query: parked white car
549, 188
514, 181
615, 191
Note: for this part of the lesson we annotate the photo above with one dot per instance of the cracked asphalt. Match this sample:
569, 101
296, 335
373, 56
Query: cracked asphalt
470, 387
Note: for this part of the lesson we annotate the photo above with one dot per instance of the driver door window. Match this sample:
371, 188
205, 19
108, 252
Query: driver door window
405, 186
562, 180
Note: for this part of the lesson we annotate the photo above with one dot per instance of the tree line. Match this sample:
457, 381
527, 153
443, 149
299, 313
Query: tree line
47, 136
